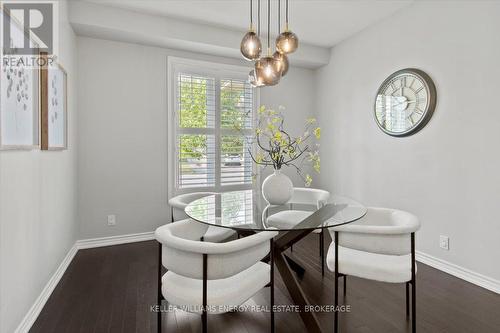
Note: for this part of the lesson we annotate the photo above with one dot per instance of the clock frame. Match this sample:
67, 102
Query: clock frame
431, 100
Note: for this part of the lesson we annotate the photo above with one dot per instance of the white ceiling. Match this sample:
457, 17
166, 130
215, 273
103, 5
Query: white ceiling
317, 22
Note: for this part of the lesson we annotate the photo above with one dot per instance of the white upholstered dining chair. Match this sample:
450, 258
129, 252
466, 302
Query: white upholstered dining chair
205, 277
302, 196
179, 203
380, 246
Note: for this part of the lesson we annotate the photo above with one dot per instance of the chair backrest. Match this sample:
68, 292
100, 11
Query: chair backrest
182, 252
179, 203
309, 196
381, 230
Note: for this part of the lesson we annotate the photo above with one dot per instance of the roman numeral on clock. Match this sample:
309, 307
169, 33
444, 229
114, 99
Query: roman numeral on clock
410, 119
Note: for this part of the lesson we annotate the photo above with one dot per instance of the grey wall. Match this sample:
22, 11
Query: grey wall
123, 131
38, 222
447, 174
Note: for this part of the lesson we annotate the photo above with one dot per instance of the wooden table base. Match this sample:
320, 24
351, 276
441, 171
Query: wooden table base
288, 268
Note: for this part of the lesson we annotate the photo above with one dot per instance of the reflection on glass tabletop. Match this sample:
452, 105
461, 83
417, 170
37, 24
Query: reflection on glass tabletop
246, 210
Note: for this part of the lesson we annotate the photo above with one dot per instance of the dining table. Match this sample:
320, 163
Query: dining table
246, 212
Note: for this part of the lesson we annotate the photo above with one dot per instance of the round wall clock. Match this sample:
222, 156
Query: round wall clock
405, 102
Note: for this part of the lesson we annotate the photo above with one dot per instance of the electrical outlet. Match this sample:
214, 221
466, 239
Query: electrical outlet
444, 242
111, 219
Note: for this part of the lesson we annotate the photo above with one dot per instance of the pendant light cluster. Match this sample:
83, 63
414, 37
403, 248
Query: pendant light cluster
268, 69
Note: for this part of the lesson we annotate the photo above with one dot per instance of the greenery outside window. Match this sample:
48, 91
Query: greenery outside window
209, 125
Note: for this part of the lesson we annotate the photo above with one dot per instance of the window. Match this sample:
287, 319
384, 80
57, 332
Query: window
212, 117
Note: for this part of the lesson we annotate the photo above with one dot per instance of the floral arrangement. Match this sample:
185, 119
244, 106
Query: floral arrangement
277, 148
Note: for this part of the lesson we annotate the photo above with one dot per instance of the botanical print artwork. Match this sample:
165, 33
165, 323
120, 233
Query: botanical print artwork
17, 85
18, 102
56, 81
54, 120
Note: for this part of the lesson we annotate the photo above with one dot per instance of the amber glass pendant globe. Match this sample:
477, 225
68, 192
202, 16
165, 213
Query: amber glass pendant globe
251, 46
254, 80
287, 42
281, 63
266, 70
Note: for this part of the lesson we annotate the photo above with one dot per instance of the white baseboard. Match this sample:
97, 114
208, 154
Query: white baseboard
114, 240
460, 272
37, 307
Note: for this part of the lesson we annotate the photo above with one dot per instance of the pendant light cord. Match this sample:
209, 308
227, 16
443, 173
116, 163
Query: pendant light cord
268, 26
287, 12
251, 14
279, 17
258, 18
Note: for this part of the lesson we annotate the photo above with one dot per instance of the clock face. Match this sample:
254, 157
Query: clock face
405, 102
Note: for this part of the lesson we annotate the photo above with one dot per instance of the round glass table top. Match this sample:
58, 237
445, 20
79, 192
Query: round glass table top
246, 210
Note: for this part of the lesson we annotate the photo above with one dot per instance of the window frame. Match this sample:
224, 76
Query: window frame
219, 71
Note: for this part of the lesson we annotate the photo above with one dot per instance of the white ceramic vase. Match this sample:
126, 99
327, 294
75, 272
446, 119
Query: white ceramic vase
277, 188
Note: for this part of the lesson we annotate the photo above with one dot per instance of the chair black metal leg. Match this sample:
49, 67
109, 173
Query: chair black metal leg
407, 299
204, 319
160, 296
291, 248
271, 262
336, 314
322, 251
319, 239
413, 286
345, 285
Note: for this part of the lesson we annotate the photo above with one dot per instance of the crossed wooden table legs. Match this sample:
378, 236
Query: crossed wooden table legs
288, 269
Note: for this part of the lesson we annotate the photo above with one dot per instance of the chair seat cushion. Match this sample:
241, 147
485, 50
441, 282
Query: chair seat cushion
373, 266
216, 234
222, 294
288, 219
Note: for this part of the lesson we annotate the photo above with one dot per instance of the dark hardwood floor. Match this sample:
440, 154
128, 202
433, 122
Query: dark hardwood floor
111, 289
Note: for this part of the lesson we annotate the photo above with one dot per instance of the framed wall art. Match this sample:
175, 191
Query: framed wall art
53, 111
19, 95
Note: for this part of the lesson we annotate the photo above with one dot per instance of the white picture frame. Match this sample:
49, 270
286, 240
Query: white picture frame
54, 107
19, 97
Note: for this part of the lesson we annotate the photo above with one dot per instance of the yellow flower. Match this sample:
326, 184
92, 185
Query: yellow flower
317, 165
310, 120
258, 131
299, 140
317, 132
308, 180
275, 156
262, 109
259, 158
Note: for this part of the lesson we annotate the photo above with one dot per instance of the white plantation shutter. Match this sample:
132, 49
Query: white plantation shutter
236, 104
236, 165
196, 131
196, 162
213, 122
